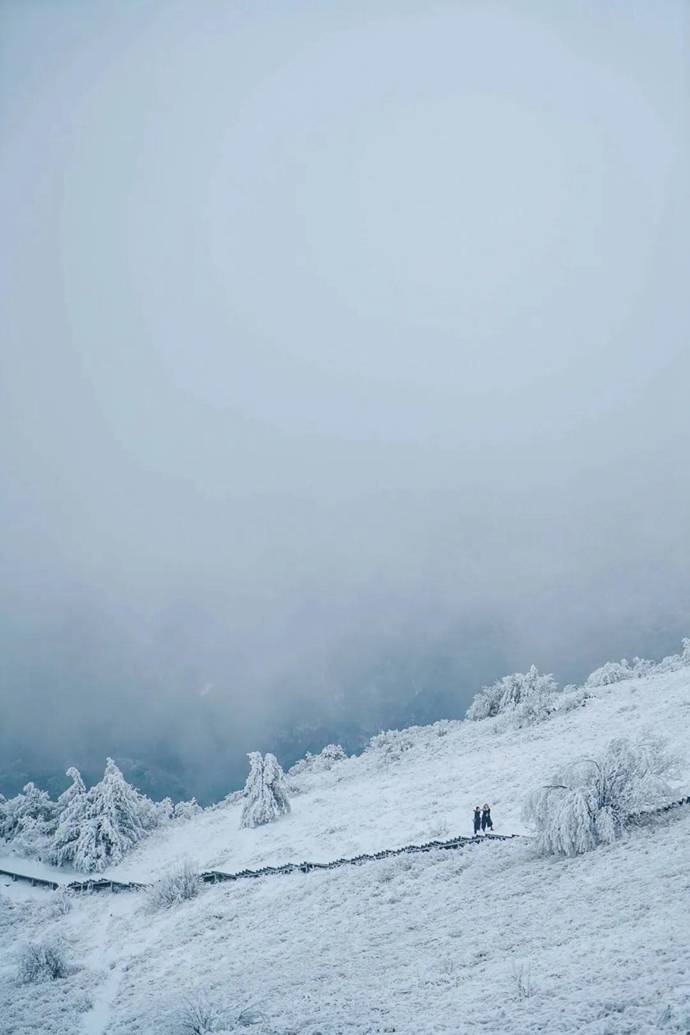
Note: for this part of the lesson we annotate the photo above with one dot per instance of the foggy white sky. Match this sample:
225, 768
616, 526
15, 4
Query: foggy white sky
335, 331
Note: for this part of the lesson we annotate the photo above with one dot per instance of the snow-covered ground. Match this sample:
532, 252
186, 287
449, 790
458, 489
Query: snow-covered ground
428, 783
488, 938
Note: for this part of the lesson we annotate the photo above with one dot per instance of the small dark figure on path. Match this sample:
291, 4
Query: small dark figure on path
477, 819
487, 823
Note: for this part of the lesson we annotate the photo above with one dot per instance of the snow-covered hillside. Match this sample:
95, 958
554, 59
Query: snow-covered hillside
423, 782
488, 938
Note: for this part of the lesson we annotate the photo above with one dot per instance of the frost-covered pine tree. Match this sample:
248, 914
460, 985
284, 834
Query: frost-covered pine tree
72, 822
265, 791
98, 828
591, 801
75, 788
72, 804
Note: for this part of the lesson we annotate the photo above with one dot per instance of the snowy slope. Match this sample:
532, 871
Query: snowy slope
486, 939
432, 782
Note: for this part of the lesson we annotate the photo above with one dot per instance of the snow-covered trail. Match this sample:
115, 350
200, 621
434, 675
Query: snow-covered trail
116, 935
101, 957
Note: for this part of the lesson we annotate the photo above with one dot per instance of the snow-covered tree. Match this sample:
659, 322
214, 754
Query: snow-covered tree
592, 800
72, 810
533, 692
75, 788
72, 823
99, 827
28, 820
685, 650
265, 791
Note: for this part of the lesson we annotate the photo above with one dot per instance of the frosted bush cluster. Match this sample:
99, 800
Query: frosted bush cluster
391, 744
320, 763
266, 795
186, 809
617, 671
528, 696
43, 961
592, 800
524, 698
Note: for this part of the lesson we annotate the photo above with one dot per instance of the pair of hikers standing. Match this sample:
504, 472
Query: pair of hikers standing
482, 819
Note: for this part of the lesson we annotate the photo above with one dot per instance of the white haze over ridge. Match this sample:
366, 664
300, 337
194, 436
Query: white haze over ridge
335, 342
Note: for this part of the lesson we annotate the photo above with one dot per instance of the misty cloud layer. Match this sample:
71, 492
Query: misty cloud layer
344, 364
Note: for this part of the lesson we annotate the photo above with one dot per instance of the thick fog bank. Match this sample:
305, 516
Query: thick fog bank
344, 367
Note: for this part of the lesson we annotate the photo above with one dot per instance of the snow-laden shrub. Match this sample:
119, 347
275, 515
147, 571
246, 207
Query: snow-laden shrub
617, 671
592, 800
571, 697
181, 884
61, 902
541, 706
165, 810
390, 744
187, 809
532, 691
233, 798
266, 796
610, 672
99, 827
322, 762
43, 961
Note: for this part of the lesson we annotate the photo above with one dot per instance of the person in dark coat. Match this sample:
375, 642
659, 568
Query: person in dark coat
477, 819
487, 822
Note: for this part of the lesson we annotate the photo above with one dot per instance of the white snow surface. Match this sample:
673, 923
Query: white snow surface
489, 938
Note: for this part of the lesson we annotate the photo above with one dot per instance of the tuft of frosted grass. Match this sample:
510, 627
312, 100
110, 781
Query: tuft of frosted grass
198, 1014
201, 1013
522, 979
179, 885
